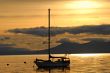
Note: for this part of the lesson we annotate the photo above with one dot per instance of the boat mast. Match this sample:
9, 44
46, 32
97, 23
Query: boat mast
49, 33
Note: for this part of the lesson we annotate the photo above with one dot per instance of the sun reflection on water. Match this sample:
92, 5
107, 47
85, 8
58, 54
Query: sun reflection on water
86, 55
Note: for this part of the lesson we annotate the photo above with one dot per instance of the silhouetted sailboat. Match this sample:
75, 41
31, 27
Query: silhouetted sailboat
60, 62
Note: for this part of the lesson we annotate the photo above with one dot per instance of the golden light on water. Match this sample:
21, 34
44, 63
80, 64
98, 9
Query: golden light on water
86, 55
84, 4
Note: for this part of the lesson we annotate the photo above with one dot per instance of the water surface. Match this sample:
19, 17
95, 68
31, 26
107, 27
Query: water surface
80, 63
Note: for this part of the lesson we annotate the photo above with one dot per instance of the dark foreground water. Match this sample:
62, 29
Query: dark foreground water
80, 63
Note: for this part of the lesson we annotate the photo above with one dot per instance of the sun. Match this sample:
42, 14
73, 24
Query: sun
83, 4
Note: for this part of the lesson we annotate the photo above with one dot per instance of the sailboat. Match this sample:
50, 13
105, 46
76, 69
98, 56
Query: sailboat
59, 61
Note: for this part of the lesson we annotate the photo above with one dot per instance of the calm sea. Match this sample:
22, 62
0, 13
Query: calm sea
80, 63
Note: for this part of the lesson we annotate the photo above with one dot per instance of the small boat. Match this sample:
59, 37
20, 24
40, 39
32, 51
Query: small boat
50, 63
60, 62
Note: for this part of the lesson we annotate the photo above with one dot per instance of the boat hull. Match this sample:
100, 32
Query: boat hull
51, 64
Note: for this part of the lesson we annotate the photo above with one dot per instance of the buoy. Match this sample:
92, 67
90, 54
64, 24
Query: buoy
24, 62
8, 64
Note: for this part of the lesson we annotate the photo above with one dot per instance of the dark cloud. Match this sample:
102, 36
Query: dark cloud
43, 31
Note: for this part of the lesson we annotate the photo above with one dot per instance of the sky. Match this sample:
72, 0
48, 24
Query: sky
33, 13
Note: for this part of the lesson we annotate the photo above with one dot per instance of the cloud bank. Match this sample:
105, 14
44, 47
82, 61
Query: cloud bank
43, 31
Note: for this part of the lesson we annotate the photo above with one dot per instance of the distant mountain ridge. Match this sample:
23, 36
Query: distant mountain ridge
95, 46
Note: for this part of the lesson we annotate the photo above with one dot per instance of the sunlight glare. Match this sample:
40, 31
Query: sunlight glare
83, 4
86, 55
